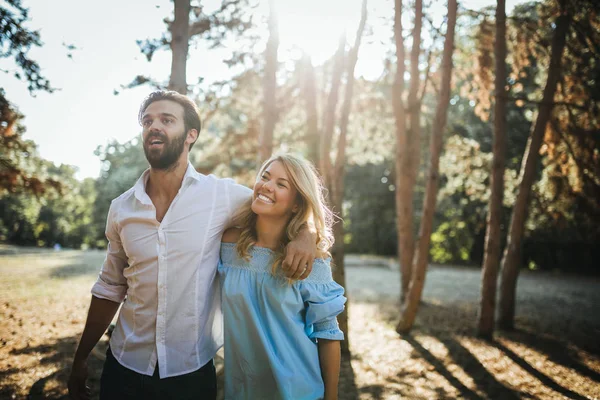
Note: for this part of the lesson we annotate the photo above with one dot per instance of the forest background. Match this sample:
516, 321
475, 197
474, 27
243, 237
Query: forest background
42, 204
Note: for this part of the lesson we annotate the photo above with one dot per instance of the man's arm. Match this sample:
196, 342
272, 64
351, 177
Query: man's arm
300, 253
99, 316
107, 294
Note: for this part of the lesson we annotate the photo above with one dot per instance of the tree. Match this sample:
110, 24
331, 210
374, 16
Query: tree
309, 95
408, 141
270, 112
18, 164
56, 215
421, 255
21, 170
16, 41
329, 113
179, 45
511, 258
491, 259
565, 205
403, 208
336, 176
231, 18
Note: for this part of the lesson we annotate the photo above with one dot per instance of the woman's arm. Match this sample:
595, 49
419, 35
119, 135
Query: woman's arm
329, 359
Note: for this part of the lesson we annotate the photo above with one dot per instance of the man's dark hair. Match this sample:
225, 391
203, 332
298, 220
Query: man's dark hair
191, 119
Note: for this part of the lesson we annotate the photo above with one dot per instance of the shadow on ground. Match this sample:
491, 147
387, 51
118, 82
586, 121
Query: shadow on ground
347, 379
56, 356
451, 324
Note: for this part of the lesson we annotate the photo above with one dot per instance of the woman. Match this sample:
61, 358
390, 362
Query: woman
281, 336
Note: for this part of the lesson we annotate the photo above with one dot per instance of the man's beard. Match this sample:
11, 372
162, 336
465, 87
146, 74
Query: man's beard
166, 157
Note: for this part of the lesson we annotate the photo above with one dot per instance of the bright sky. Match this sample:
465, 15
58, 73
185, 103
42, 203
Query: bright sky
69, 124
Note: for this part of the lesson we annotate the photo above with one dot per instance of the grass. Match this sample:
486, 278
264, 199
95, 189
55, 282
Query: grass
553, 354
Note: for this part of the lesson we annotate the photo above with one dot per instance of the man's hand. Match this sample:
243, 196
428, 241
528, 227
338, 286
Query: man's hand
78, 389
99, 317
300, 254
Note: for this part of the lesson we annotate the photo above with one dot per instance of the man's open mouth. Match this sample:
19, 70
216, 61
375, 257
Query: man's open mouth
155, 142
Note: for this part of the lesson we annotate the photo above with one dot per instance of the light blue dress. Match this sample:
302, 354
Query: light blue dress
271, 327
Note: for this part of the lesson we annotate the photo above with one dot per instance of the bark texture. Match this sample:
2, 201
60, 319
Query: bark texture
336, 189
491, 257
419, 266
179, 46
511, 259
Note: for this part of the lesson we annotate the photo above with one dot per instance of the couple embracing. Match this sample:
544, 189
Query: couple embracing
196, 262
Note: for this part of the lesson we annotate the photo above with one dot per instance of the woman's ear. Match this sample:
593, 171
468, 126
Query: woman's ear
296, 208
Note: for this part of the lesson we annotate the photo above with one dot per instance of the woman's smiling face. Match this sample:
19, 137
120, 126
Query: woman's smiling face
274, 193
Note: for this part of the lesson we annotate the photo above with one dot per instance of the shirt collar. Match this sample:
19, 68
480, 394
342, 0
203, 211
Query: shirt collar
191, 172
140, 185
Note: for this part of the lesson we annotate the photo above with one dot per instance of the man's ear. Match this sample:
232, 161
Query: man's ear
192, 136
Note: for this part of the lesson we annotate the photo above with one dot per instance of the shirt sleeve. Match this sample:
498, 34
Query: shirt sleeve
323, 302
112, 284
237, 195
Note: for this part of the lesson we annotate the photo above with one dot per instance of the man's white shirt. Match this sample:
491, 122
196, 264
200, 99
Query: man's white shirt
166, 274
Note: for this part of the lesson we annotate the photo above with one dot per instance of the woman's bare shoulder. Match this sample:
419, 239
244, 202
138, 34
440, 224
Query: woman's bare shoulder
231, 235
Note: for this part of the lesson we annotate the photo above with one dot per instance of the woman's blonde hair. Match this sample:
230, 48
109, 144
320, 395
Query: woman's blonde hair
312, 209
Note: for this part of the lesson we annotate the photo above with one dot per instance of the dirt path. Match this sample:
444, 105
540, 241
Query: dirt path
554, 354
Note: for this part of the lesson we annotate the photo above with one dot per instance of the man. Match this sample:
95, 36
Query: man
164, 235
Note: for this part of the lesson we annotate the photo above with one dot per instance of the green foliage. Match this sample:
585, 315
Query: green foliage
123, 163
16, 41
369, 212
57, 216
461, 211
21, 170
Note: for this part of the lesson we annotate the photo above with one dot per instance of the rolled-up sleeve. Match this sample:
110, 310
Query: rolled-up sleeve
323, 301
112, 284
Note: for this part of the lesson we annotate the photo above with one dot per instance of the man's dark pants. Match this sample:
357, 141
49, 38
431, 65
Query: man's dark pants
120, 383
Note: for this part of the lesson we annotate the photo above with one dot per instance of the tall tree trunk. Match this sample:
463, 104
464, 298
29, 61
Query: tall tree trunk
265, 147
512, 254
404, 209
407, 150
414, 101
413, 298
309, 89
179, 46
337, 184
491, 257
330, 112
339, 275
